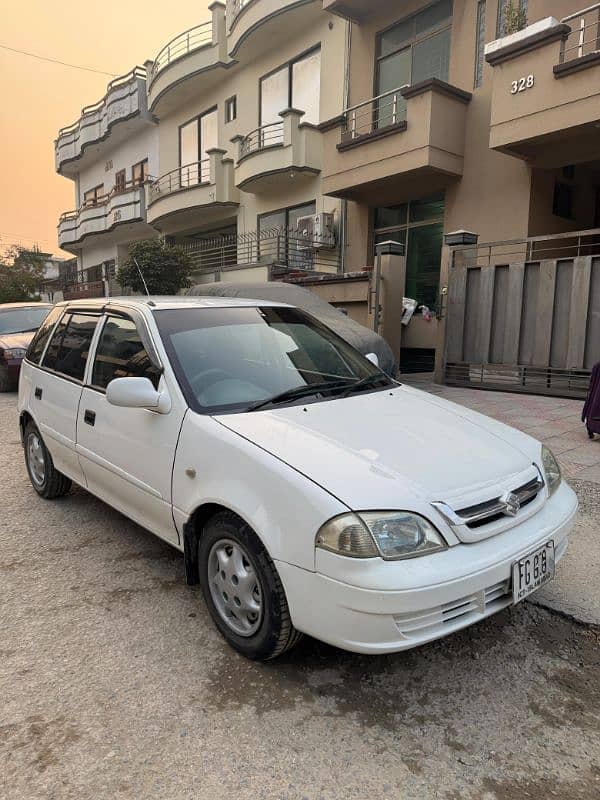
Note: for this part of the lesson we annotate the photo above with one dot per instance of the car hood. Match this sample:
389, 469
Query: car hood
10, 340
401, 448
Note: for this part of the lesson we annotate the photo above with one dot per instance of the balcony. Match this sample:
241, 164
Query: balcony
546, 90
397, 146
267, 23
188, 64
193, 195
288, 150
122, 212
355, 10
124, 102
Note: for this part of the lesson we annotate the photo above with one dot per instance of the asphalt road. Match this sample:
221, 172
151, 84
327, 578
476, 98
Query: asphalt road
114, 684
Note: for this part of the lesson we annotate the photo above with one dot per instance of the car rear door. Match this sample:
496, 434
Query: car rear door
56, 387
127, 453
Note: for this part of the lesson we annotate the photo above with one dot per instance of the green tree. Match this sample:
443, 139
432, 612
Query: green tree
166, 269
21, 274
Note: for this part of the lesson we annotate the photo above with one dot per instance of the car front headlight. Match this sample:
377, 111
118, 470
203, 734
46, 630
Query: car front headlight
392, 535
551, 470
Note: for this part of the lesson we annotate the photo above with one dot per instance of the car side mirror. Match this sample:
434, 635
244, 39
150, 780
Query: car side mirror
137, 393
372, 357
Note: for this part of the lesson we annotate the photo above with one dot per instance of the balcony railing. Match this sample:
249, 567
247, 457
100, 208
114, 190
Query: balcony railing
135, 74
181, 45
101, 200
184, 177
585, 36
380, 113
234, 7
263, 137
280, 249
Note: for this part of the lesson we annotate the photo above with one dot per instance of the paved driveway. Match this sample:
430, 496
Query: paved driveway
114, 684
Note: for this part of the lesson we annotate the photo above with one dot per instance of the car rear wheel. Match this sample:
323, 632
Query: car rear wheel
243, 591
47, 481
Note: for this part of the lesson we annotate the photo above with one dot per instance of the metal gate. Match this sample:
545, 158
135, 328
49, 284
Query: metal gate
525, 316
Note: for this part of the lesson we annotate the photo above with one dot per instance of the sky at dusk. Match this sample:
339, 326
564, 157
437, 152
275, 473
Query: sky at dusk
38, 98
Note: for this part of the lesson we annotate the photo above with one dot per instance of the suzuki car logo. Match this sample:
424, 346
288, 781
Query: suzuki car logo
512, 504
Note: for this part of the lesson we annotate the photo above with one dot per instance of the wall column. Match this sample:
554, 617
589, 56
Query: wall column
390, 272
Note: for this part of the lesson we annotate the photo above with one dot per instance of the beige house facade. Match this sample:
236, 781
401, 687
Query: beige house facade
299, 134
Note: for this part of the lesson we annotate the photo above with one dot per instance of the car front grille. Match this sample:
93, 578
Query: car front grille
495, 509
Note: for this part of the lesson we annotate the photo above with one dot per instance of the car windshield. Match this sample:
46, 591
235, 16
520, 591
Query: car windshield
242, 359
19, 320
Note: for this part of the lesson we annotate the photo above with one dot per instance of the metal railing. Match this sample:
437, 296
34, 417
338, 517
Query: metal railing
86, 283
234, 7
535, 248
281, 249
265, 136
185, 177
182, 44
101, 200
383, 111
137, 73
585, 36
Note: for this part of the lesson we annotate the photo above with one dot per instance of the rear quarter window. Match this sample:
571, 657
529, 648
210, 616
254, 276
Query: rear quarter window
40, 340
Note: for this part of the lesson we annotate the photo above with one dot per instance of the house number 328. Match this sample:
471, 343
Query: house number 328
522, 84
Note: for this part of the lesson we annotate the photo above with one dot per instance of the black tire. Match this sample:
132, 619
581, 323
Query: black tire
6, 384
54, 484
275, 634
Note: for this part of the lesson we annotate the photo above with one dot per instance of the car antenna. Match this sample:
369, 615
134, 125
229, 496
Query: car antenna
139, 269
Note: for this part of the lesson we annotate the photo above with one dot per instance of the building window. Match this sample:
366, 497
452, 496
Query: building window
512, 16
120, 181
295, 85
414, 50
562, 205
196, 138
419, 225
139, 172
480, 43
230, 109
93, 196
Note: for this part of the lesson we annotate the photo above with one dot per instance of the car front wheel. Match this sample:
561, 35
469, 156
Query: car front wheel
242, 589
48, 482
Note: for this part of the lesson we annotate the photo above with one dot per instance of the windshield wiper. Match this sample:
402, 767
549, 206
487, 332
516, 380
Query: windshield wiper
297, 393
364, 382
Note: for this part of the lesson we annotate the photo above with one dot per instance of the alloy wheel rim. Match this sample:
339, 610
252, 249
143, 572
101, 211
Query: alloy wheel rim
36, 459
235, 588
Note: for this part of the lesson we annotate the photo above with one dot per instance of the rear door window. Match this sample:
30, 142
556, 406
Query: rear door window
69, 347
40, 340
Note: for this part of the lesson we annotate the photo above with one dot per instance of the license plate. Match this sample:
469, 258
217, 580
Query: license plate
533, 571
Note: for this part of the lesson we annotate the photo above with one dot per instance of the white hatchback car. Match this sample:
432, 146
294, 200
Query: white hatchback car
308, 491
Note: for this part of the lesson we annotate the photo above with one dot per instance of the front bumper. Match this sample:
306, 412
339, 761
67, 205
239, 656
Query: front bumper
435, 595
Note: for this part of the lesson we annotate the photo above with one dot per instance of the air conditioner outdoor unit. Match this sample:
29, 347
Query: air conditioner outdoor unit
318, 230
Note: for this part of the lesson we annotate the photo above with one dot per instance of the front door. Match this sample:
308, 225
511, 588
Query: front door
127, 453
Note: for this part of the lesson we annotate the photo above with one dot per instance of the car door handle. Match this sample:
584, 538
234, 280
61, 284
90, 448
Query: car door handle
38, 393
89, 417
